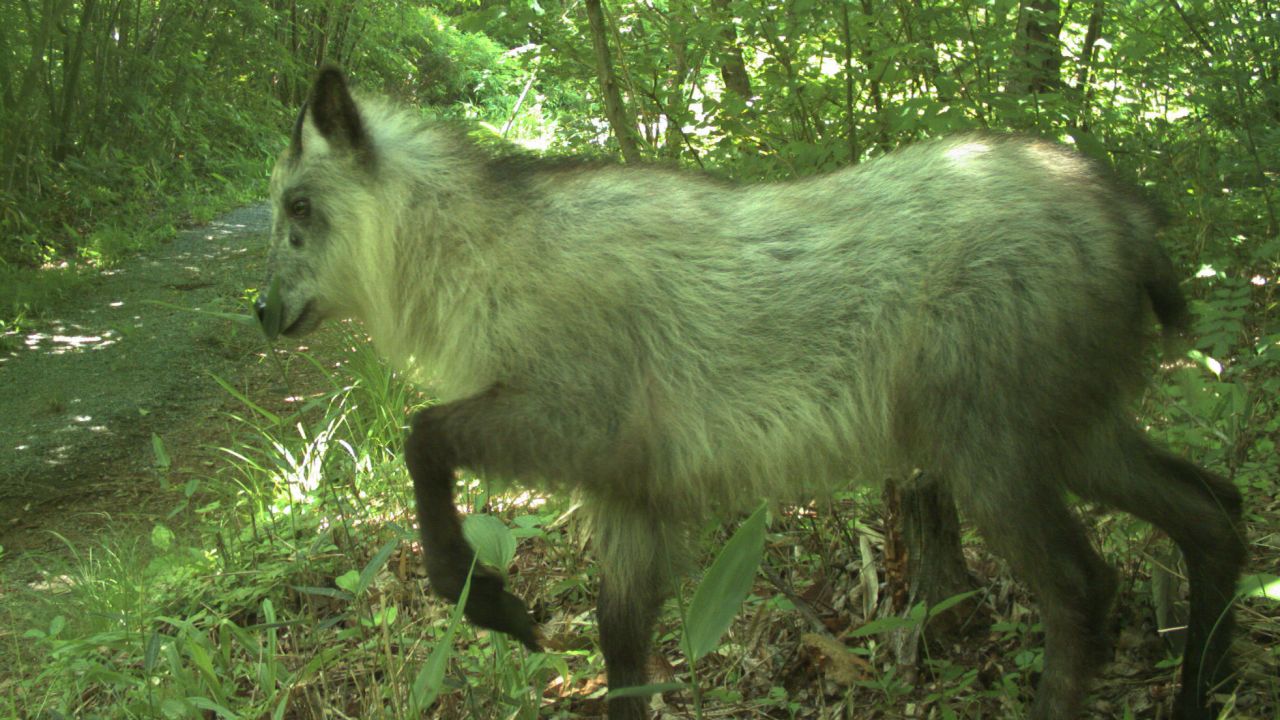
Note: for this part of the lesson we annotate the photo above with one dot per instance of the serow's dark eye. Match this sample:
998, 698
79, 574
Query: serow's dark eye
300, 209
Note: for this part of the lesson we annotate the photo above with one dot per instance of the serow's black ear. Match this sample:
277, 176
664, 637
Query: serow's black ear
295, 144
334, 112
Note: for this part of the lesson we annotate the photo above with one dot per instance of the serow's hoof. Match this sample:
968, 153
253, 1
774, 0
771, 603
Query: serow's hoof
490, 606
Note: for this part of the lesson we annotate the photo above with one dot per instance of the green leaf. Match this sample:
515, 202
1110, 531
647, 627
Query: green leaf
216, 707
429, 681
349, 581
725, 586
161, 537
647, 690
1263, 585
950, 602
1209, 363
237, 318
375, 564
244, 399
273, 313
886, 624
203, 661
161, 455
386, 616
491, 538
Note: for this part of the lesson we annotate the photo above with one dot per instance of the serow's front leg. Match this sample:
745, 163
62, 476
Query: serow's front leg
433, 450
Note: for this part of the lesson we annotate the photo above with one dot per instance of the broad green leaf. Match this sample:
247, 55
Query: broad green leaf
491, 538
151, 652
237, 318
203, 661
219, 708
386, 616
175, 708
349, 581
725, 586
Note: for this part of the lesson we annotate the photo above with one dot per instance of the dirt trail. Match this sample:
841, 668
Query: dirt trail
89, 385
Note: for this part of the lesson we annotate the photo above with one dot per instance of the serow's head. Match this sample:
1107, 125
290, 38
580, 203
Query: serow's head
321, 209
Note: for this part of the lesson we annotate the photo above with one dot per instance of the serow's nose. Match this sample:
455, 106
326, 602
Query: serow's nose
260, 308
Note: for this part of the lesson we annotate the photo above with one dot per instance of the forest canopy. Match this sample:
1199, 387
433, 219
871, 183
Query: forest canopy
116, 113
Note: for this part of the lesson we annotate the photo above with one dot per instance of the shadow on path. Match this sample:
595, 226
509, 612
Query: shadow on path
121, 360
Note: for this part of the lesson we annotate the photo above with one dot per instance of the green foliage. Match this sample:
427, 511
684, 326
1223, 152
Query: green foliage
275, 590
494, 543
121, 118
725, 586
917, 616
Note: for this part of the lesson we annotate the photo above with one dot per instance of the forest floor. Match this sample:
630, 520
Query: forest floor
110, 396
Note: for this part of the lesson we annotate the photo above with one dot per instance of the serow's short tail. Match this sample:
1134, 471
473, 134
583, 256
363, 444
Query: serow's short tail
1168, 300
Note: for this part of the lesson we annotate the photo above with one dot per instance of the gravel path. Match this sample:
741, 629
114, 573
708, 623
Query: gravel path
123, 359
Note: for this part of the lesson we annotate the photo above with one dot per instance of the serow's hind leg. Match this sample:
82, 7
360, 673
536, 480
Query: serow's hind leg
1201, 513
1026, 520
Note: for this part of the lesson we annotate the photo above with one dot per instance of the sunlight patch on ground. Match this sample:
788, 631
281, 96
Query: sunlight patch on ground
55, 584
75, 424
57, 344
225, 228
525, 500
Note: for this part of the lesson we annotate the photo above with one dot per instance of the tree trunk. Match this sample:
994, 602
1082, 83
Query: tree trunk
924, 561
1037, 65
931, 529
23, 119
72, 60
619, 120
1083, 94
733, 70
802, 120
877, 96
851, 125
676, 107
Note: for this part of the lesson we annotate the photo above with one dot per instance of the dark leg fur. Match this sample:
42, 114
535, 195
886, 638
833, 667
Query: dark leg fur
433, 452
635, 553
626, 635
1033, 529
1201, 512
